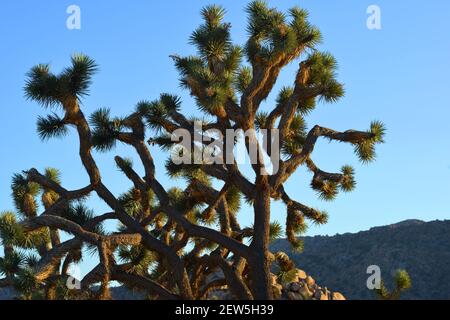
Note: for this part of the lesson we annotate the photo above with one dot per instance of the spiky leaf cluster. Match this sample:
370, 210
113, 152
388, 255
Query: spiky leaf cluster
233, 198
365, 150
26, 283
105, 129
402, 282
295, 226
51, 126
272, 36
24, 195
283, 261
50, 90
327, 186
322, 68
49, 196
296, 136
131, 202
212, 74
13, 234
10, 264
138, 258
79, 213
275, 230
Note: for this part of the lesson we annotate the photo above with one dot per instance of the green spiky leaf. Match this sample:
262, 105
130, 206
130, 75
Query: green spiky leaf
51, 126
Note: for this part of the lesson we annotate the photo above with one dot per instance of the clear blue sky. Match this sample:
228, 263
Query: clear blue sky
399, 74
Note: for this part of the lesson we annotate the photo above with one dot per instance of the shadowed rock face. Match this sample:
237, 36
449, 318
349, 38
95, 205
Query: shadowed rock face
340, 262
7, 293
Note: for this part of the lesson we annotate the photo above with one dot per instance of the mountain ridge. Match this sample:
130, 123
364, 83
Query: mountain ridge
340, 261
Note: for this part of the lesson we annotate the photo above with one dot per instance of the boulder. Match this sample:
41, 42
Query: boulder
294, 296
295, 286
277, 291
306, 293
305, 289
274, 279
319, 295
300, 275
310, 281
337, 296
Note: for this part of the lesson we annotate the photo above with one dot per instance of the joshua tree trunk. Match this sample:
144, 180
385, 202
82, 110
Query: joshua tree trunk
50, 291
104, 253
259, 261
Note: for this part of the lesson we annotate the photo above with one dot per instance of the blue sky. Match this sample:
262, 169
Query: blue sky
398, 75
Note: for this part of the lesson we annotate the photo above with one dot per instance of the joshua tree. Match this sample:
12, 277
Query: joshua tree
169, 240
402, 284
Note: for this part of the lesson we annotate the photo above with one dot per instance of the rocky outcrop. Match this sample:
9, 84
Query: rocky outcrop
303, 287
300, 287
